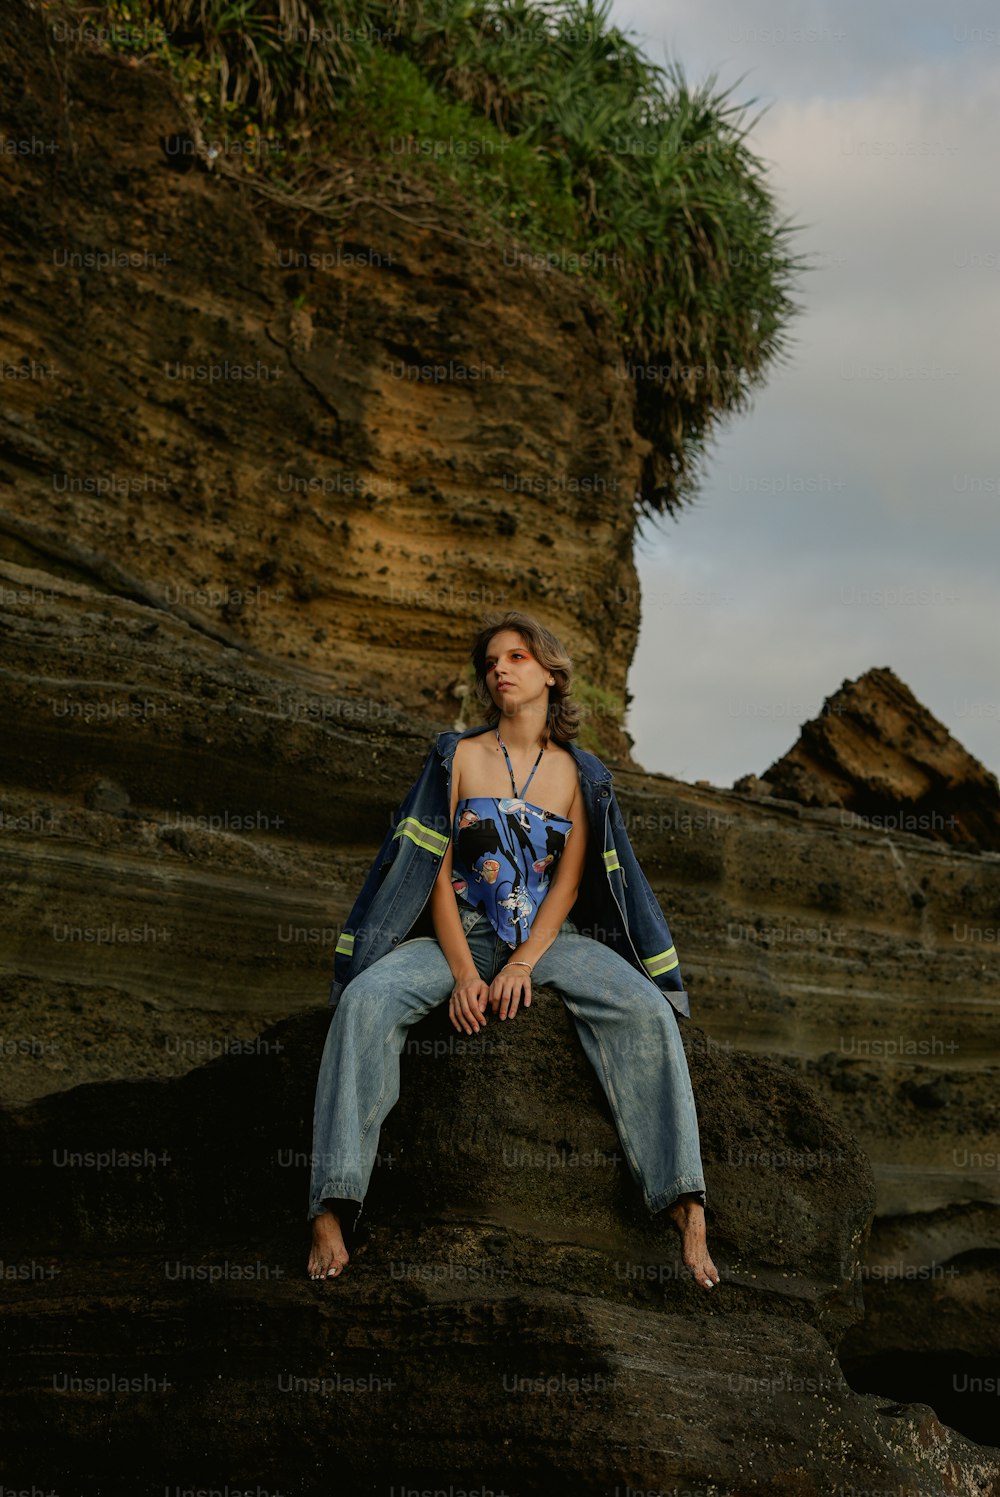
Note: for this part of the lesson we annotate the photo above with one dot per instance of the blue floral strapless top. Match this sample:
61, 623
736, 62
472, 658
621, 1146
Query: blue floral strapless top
504, 852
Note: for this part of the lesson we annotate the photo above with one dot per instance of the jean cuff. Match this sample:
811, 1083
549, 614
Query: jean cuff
683, 1185
333, 1190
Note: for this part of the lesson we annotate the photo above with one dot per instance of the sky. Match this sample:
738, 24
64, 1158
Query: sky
851, 517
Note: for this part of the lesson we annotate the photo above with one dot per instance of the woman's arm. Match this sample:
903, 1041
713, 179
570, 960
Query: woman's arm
448, 923
467, 1006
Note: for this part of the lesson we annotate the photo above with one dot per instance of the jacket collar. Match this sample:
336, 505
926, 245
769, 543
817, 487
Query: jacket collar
588, 764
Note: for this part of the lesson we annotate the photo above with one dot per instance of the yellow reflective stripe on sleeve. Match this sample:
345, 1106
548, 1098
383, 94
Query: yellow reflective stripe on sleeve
611, 861
657, 965
345, 946
423, 836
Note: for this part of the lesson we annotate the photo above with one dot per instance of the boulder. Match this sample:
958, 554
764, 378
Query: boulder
511, 1318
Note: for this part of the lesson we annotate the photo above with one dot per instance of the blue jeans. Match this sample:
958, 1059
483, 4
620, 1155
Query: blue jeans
626, 1026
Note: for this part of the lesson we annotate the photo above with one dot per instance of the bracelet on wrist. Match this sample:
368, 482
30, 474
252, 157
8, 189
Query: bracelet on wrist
519, 964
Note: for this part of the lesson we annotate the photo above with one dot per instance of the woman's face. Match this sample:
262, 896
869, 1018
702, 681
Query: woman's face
513, 676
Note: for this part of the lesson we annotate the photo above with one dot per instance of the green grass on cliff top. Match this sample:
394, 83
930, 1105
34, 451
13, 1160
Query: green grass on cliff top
532, 124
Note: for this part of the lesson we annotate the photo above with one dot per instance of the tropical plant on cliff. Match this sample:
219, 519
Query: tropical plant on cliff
533, 122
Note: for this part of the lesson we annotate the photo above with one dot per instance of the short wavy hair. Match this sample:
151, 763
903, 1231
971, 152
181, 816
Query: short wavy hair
562, 720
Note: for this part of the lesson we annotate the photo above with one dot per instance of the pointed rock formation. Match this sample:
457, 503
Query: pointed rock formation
877, 754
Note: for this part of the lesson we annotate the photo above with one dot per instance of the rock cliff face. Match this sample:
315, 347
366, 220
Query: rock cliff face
185, 829
877, 754
337, 447
232, 612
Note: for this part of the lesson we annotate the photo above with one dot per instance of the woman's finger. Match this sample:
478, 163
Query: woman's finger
512, 991
469, 1018
467, 1002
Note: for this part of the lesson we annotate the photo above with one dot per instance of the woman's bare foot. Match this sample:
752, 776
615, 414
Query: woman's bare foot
329, 1256
688, 1216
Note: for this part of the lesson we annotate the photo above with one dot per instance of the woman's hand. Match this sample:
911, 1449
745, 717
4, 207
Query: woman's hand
511, 986
467, 1005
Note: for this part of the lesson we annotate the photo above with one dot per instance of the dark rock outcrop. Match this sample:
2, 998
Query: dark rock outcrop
876, 754
509, 1319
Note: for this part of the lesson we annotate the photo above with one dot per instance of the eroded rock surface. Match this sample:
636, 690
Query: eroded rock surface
507, 1314
877, 754
233, 613
226, 809
337, 446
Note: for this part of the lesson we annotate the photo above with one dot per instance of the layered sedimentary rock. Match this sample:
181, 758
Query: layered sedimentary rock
185, 828
255, 482
338, 446
877, 754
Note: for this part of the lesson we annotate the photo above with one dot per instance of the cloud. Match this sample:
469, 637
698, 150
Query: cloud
841, 48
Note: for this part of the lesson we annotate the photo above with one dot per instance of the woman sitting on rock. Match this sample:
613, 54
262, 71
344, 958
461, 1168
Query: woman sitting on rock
502, 873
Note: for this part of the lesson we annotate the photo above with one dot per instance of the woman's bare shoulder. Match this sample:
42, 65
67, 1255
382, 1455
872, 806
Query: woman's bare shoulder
468, 748
482, 745
568, 768
470, 751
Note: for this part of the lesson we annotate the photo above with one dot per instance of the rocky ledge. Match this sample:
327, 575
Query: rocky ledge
511, 1320
205, 817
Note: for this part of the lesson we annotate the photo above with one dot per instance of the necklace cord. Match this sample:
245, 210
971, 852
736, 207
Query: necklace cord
510, 770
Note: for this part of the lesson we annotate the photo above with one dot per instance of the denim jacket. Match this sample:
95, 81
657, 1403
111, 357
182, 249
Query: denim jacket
614, 902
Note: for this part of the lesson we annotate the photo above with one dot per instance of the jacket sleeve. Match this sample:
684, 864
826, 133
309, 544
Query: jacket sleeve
651, 933
344, 950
